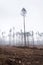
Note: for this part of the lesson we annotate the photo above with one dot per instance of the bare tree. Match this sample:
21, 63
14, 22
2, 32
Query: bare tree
13, 35
3, 37
10, 31
18, 38
27, 35
21, 37
40, 36
33, 38
37, 36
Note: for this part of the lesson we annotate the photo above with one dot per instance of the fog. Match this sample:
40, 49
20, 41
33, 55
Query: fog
10, 16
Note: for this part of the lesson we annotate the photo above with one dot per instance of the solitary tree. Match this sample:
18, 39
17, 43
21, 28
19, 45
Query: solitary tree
23, 13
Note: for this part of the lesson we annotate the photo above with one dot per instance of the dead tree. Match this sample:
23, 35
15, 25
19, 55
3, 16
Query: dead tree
33, 37
27, 35
10, 35
3, 37
37, 37
21, 38
13, 35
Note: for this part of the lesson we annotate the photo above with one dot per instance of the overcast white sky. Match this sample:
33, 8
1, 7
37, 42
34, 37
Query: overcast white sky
10, 15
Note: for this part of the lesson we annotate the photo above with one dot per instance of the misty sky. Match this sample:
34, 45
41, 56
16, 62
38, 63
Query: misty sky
10, 15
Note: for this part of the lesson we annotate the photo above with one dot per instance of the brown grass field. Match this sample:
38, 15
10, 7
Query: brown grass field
10, 55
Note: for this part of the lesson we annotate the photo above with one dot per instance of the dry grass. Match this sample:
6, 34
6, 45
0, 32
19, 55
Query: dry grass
20, 56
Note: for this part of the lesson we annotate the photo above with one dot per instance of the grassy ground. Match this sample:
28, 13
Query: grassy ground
20, 56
